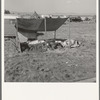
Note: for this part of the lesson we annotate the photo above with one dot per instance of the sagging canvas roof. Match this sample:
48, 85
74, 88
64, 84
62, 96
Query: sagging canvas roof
52, 24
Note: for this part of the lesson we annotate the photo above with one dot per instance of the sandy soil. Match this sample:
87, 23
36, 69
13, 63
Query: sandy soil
66, 65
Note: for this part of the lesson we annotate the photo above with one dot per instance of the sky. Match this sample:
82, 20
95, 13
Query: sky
52, 6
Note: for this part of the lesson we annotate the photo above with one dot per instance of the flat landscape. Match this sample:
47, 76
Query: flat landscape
64, 65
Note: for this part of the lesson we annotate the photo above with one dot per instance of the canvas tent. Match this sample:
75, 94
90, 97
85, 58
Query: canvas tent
35, 15
9, 29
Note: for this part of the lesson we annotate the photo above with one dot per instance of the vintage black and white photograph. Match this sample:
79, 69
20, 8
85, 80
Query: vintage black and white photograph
50, 41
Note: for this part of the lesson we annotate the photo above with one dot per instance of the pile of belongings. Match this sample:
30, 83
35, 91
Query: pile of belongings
59, 44
71, 43
34, 46
50, 44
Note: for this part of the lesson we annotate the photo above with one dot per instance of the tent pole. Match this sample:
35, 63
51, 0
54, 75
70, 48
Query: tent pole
45, 25
54, 35
69, 32
17, 38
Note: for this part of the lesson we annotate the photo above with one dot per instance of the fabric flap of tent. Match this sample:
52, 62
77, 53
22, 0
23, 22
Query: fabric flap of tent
29, 24
52, 24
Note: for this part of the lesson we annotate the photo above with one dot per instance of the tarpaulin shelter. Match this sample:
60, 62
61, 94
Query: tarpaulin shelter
34, 25
30, 27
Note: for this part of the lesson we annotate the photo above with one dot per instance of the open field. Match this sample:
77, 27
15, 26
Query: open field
68, 65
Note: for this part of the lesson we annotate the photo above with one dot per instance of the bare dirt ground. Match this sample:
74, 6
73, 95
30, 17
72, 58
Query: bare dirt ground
68, 65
